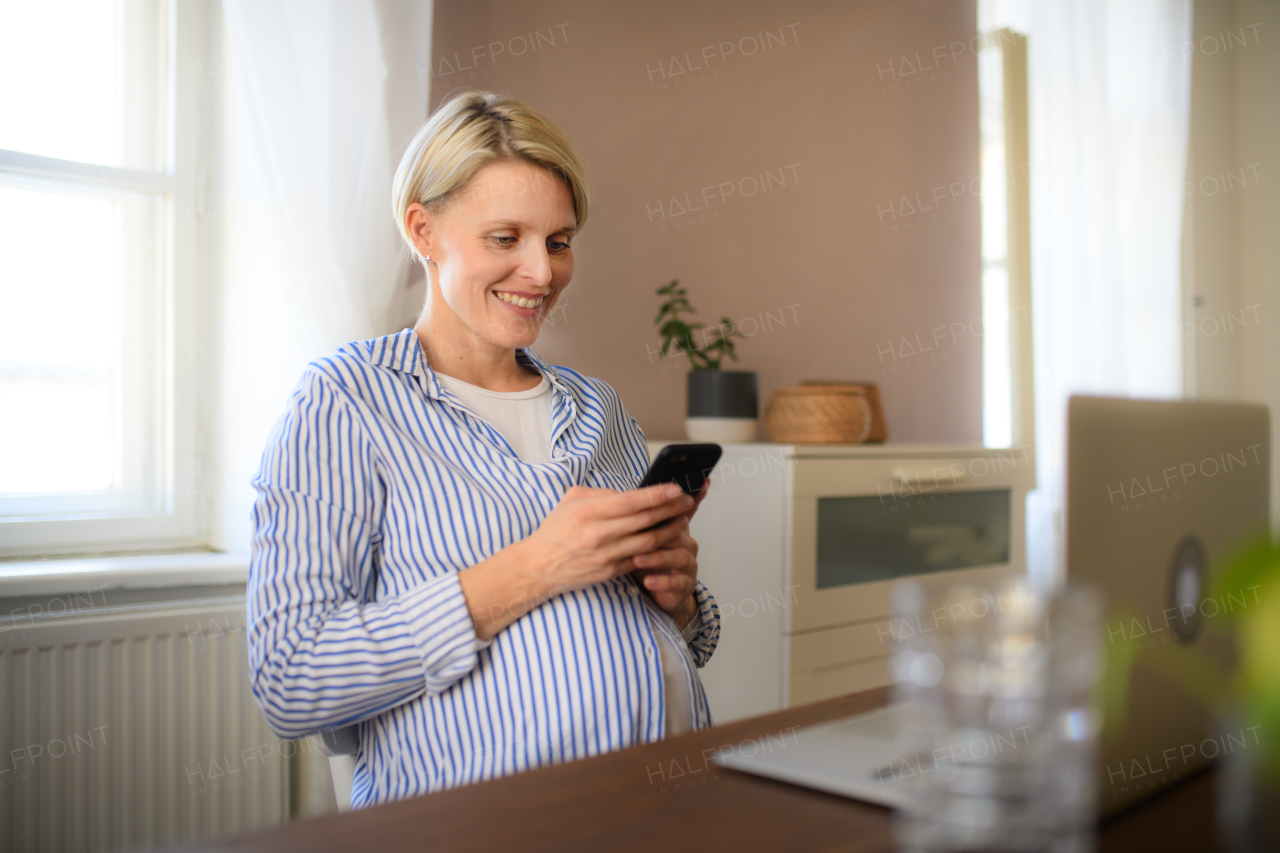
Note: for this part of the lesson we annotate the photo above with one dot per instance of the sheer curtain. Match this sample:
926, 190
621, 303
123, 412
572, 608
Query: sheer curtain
1110, 98
320, 100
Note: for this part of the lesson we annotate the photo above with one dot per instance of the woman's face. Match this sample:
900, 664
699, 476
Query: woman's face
500, 254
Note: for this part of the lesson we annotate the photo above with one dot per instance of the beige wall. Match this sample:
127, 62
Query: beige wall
848, 133
1234, 209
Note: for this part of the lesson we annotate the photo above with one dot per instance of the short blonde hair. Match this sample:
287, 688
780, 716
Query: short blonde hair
469, 132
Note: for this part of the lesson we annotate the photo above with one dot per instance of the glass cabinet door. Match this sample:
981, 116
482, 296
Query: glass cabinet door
867, 538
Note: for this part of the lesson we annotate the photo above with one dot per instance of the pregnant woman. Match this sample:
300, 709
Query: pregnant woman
449, 548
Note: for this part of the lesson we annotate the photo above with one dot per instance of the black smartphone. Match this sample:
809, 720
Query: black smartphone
688, 465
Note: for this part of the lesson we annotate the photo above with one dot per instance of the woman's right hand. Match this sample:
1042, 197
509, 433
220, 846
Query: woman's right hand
592, 534
589, 537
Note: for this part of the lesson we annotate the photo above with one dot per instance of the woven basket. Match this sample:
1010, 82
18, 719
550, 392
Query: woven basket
818, 414
879, 427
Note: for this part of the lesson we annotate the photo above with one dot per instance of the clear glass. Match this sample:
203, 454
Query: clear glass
874, 538
84, 80
80, 337
999, 731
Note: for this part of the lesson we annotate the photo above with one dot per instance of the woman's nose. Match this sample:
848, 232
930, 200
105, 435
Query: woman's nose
537, 265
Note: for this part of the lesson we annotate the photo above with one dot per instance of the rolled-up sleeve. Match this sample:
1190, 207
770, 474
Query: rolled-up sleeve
705, 641
320, 656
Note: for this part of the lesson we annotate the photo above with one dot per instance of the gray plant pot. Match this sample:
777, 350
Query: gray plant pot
723, 405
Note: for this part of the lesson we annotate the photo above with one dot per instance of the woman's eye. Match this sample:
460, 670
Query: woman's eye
558, 245
505, 241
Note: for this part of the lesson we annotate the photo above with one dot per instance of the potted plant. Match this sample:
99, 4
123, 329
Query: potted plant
722, 404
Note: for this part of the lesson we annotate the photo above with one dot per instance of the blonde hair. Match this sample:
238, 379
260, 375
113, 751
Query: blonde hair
470, 132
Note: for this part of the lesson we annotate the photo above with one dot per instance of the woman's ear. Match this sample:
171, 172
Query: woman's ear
419, 224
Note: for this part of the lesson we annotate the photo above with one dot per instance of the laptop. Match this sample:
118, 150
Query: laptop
1155, 493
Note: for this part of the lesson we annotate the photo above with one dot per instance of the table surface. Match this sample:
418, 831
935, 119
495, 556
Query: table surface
669, 795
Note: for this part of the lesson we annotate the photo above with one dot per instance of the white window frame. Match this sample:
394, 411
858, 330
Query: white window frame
1007, 320
180, 522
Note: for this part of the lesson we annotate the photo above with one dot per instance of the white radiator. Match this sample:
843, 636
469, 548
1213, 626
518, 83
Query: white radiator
132, 726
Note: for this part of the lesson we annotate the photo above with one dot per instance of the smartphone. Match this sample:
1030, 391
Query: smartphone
687, 465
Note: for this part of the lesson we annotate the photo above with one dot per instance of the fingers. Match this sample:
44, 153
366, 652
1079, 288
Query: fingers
702, 494
652, 501
648, 516
614, 525
667, 559
607, 504
677, 585
648, 540
610, 504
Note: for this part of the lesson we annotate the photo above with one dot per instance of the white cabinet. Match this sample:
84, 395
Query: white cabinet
801, 546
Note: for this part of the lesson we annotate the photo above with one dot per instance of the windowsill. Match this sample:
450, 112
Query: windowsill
148, 571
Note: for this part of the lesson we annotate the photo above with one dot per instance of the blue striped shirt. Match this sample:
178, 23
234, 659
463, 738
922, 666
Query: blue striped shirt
377, 487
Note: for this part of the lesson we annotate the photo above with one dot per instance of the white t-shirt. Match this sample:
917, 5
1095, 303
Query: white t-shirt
523, 418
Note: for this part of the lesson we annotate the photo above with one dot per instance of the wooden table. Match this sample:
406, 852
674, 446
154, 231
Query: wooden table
670, 796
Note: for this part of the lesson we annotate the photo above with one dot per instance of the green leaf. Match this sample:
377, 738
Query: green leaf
678, 335
1251, 569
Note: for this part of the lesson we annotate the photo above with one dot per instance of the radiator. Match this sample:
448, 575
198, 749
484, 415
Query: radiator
132, 726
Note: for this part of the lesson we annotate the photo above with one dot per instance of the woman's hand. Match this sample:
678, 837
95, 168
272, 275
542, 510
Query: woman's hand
669, 574
590, 536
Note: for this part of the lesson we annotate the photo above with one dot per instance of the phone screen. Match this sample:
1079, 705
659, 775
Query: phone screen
688, 465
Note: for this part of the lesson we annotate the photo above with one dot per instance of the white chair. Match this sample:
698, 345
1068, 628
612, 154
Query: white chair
342, 745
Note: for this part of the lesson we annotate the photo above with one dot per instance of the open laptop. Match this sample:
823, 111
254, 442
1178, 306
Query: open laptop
1155, 493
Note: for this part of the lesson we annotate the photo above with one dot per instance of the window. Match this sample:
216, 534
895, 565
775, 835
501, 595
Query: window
1007, 391
97, 261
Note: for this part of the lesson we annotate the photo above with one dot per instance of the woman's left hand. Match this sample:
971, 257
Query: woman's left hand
669, 574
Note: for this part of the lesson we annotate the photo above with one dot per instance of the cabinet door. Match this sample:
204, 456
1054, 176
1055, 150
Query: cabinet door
863, 539
860, 525
740, 529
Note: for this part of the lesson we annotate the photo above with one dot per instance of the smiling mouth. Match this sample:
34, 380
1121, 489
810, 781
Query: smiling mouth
519, 301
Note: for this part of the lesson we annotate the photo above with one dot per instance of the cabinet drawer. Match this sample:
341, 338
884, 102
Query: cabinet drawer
828, 683
822, 608
840, 646
902, 476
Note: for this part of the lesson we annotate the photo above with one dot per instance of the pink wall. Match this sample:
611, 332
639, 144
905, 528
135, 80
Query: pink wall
852, 115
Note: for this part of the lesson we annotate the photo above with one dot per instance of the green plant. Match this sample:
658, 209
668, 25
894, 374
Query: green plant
1251, 578
678, 335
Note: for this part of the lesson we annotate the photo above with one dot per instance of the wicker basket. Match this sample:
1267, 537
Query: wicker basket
818, 414
879, 427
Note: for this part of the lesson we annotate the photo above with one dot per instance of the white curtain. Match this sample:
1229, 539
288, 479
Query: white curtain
1110, 94
320, 101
